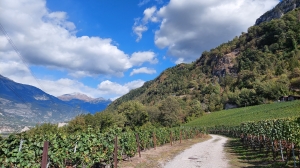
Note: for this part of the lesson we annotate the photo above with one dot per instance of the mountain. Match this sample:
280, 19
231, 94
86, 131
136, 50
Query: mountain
255, 68
24, 105
278, 11
79, 96
84, 102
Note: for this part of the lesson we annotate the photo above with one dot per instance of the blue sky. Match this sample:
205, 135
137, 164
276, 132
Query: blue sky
105, 48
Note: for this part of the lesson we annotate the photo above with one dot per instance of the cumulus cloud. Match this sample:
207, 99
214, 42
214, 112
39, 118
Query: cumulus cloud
54, 87
189, 27
138, 58
149, 14
113, 88
143, 70
57, 87
48, 39
140, 25
179, 61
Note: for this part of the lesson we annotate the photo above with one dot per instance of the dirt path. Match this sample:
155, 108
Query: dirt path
158, 158
207, 154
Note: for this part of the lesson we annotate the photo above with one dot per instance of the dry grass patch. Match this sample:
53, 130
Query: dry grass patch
157, 158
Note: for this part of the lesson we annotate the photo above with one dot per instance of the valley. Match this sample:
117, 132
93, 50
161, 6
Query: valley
247, 88
25, 105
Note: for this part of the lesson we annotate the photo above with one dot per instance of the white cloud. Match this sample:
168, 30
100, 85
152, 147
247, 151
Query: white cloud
134, 84
47, 38
66, 86
138, 30
143, 70
179, 61
138, 58
57, 87
143, 2
54, 87
79, 74
148, 14
113, 88
140, 25
189, 27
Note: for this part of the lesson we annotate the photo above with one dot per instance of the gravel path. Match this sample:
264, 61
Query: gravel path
207, 154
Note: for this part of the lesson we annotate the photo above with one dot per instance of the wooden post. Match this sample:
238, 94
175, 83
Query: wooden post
116, 153
171, 138
154, 141
138, 144
180, 136
45, 155
294, 158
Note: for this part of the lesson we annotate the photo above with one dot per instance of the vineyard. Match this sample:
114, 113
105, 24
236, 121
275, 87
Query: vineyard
275, 138
279, 138
86, 149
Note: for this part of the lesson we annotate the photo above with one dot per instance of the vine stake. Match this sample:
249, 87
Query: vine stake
171, 138
138, 144
154, 141
180, 136
45, 154
116, 153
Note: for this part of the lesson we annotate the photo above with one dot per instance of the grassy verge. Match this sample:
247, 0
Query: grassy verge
239, 156
237, 116
157, 158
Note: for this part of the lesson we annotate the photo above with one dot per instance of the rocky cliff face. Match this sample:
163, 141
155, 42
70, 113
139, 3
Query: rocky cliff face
225, 65
282, 8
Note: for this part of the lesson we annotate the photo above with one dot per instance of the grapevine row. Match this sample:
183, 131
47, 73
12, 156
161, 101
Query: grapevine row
280, 137
85, 148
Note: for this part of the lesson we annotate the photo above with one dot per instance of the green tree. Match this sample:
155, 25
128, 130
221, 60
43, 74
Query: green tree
153, 113
77, 124
134, 112
169, 112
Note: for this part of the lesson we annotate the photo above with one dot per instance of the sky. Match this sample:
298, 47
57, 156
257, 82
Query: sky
105, 48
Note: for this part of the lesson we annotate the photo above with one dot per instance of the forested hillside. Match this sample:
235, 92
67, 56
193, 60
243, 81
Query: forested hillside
258, 67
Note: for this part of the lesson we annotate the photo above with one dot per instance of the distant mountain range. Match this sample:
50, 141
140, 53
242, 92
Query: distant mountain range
24, 105
84, 102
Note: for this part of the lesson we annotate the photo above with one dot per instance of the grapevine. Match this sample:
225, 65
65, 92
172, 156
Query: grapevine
88, 148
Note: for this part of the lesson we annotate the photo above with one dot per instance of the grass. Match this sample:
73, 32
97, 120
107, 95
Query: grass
237, 116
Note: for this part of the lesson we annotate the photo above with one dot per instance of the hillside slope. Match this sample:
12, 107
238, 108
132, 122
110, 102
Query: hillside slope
235, 117
255, 68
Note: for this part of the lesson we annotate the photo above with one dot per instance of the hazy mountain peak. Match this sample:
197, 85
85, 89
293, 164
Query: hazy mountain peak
75, 95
